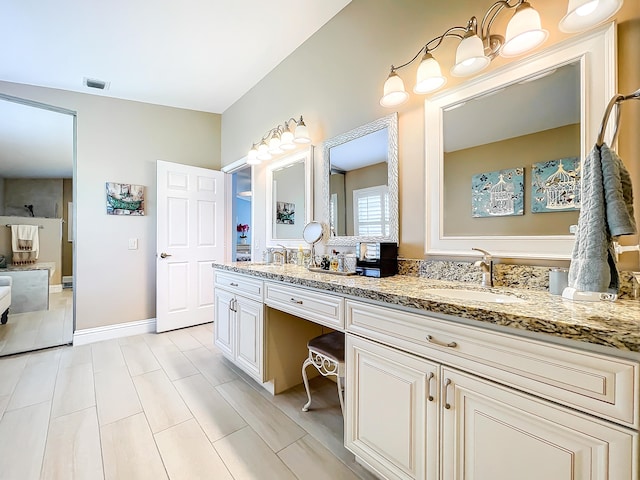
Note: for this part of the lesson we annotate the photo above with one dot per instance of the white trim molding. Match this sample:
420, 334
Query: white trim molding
109, 332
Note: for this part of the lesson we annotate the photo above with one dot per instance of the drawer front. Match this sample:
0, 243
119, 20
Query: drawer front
598, 384
240, 284
321, 308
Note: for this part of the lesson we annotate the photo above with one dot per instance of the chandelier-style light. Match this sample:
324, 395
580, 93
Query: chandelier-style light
479, 46
279, 140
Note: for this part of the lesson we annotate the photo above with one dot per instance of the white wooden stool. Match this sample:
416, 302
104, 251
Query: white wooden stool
326, 353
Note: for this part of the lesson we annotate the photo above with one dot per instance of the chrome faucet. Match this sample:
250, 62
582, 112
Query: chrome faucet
284, 253
486, 265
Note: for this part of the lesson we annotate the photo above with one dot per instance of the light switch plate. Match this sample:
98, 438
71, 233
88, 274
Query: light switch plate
133, 244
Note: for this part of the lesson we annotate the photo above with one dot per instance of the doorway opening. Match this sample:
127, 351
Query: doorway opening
241, 195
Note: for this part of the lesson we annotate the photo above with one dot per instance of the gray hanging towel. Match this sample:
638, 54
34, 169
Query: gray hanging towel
606, 212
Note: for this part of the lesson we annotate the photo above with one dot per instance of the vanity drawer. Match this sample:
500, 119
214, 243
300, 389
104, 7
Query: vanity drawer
602, 385
240, 284
321, 308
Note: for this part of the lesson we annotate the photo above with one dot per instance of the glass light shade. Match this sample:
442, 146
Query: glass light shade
264, 156
252, 156
584, 14
429, 77
524, 32
286, 140
394, 92
274, 145
263, 148
470, 57
301, 134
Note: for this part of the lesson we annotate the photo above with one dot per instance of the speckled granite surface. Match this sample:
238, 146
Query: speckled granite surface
610, 324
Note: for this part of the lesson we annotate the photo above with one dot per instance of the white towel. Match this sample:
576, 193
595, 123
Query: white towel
25, 244
606, 211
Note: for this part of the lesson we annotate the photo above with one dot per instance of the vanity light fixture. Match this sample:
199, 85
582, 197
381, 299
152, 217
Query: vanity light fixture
278, 140
478, 45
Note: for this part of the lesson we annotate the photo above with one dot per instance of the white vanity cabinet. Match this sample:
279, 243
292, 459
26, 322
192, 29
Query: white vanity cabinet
428, 399
239, 321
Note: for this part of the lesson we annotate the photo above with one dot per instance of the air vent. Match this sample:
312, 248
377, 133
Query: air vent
95, 83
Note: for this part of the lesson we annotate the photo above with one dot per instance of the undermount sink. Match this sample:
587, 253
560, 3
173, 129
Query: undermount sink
476, 295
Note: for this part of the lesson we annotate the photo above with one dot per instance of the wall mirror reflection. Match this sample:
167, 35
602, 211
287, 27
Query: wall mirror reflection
361, 183
289, 198
504, 151
37, 149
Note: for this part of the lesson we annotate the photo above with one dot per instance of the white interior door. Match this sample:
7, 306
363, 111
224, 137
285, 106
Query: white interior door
190, 235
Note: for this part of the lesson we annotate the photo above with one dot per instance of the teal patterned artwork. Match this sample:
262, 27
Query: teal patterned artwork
125, 199
498, 194
555, 185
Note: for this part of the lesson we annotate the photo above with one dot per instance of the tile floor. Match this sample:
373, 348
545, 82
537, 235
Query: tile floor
161, 406
32, 330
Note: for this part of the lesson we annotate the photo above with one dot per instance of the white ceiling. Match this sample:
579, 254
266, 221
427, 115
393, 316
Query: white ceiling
194, 54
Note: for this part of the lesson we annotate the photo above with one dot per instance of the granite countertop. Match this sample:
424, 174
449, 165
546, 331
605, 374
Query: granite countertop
610, 324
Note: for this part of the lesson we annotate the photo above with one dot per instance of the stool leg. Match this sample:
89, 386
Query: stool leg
339, 382
306, 363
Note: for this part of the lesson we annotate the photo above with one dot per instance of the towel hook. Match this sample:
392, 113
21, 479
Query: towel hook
615, 101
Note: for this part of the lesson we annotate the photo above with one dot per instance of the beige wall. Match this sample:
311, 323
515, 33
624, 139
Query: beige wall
120, 141
335, 80
67, 246
521, 151
370, 176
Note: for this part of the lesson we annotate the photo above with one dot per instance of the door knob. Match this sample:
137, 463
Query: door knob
164, 255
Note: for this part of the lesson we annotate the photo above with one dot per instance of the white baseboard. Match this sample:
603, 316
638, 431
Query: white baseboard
119, 330
55, 288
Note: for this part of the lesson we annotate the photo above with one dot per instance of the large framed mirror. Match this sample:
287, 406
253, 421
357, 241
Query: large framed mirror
289, 198
514, 133
360, 183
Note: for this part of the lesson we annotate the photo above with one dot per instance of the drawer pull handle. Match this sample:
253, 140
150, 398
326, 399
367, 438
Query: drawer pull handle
447, 382
293, 300
442, 344
429, 378
233, 284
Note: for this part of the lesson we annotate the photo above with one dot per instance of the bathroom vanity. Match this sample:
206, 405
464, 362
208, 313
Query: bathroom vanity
441, 388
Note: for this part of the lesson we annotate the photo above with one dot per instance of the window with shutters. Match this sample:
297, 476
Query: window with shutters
371, 211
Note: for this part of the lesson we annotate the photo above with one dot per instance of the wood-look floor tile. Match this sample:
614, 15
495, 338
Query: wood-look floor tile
23, 434
183, 339
116, 397
74, 390
4, 401
139, 358
162, 403
216, 417
10, 371
106, 355
275, 428
73, 447
211, 365
203, 334
188, 455
308, 459
173, 361
36, 385
248, 457
76, 355
129, 450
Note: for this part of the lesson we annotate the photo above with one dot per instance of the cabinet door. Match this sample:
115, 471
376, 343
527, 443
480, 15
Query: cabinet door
493, 432
249, 337
390, 423
223, 322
